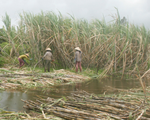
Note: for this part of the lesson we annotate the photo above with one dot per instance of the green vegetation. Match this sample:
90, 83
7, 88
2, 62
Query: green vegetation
2, 61
107, 48
118, 47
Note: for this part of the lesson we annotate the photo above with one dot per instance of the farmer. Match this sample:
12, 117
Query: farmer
47, 58
78, 55
22, 58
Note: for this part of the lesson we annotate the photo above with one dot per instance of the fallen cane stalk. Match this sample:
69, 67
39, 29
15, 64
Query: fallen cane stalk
141, 82
44, 115
140, 115
82, 105
145, 73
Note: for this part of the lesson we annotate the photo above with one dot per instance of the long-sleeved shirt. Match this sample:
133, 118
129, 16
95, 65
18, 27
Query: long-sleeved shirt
48, 56
78, 56
23, 57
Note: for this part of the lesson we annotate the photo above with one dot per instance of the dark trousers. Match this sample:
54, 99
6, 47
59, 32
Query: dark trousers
47, 64
21, 62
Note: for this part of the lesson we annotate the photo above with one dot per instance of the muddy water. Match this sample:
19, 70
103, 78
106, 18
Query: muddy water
11, 100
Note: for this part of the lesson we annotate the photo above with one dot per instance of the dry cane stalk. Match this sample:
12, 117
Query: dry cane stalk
140, 115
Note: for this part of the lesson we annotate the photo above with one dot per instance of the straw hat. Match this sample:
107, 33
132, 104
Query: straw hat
77, 48
48, 49
27, 55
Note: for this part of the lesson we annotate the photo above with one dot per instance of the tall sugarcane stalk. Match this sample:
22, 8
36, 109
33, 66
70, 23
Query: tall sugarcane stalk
111, 47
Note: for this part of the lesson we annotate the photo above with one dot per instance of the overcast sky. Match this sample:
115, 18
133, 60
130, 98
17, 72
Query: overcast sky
136, 11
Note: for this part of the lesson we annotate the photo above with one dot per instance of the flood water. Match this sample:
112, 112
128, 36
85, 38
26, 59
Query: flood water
11, 100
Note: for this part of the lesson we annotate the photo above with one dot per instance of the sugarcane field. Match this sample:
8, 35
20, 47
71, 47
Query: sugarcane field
54, 67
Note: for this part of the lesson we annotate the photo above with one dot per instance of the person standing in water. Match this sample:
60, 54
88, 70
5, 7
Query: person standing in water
47, 58
78, 55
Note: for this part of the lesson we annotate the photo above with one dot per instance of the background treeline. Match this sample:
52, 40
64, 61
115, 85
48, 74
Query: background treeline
117, 46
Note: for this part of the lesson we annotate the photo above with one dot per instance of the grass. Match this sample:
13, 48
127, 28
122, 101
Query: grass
5, 71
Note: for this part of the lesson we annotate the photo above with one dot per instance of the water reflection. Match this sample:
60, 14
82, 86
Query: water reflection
99, 86
11, 100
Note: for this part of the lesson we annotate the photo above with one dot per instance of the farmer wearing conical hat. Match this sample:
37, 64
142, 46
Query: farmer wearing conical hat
78, 55
22, 58
47, 58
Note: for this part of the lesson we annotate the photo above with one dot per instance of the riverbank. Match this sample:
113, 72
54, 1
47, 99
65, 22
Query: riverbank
26, 78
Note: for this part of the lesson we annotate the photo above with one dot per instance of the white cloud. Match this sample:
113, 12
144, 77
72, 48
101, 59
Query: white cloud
137, 11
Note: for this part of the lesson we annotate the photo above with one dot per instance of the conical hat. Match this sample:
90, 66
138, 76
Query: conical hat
48, 49
77, 48
27, 55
